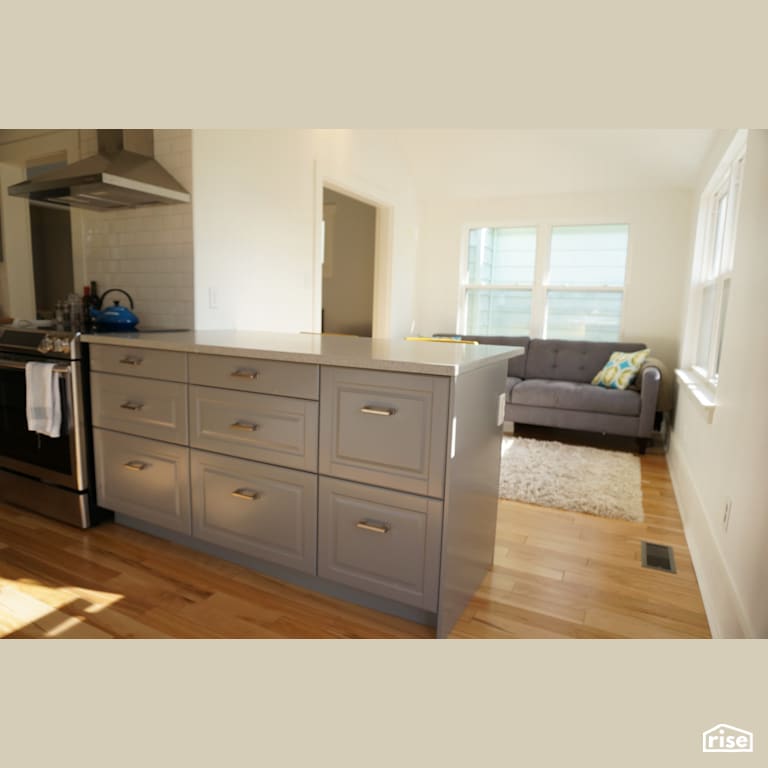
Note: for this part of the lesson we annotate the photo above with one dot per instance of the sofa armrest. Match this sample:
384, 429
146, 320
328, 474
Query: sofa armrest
649, 380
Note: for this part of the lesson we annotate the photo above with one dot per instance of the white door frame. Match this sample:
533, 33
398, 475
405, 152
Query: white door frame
382, 269
19, 299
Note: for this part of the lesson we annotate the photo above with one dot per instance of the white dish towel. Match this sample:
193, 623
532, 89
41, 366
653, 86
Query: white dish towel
43, 399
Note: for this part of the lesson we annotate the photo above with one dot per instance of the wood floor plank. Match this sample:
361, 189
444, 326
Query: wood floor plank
556, 574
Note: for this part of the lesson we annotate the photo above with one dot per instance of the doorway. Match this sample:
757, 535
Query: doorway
349, 249
51, 240
51, 233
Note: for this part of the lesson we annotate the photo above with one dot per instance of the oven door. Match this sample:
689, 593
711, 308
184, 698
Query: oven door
58, 461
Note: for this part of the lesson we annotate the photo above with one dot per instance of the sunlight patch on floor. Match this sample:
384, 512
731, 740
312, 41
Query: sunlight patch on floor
26, 602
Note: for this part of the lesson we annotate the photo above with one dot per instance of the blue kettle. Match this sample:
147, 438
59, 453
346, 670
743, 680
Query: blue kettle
114, 318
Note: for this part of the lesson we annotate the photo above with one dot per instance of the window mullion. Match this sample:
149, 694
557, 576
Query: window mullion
539, 289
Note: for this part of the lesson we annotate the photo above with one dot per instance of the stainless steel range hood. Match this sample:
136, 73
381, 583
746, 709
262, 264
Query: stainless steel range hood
124, 174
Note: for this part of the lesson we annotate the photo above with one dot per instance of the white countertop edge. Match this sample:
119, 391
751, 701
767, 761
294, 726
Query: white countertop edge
435, 358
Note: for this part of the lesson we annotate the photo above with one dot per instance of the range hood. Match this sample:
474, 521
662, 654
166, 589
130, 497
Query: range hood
124, 174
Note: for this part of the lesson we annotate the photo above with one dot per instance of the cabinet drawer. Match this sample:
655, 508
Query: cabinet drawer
154, 409
276, 430
143, 478
383, 542
264, 511
386, 429
148, 363
269, 377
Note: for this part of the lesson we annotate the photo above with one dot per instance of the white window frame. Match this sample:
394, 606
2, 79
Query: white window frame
713, 267
541, 283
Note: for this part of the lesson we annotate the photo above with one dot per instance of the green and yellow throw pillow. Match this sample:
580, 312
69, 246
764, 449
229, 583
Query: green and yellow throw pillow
620, 369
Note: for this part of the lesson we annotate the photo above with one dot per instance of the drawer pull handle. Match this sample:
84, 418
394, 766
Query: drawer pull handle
131, 406
245, 493
244, 373
131, 360
367, 525
135, 466
246, 425
374, 411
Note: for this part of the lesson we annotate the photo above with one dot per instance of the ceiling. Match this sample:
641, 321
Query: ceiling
8, 135
508, 163
493, 163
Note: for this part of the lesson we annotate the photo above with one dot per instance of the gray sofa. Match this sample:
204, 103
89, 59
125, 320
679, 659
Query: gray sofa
550, 385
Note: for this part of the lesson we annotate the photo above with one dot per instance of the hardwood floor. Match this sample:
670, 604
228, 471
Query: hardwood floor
556, 574
566, 574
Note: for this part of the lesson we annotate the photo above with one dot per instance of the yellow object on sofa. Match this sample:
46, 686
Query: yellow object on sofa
620, 369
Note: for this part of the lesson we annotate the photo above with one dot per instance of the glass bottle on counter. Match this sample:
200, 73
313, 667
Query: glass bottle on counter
59, 315
86, 309
75, 312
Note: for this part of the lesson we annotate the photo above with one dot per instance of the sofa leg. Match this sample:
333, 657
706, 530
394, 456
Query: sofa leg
642, 444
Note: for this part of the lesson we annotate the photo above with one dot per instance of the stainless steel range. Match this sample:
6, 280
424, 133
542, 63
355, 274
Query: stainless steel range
47, 475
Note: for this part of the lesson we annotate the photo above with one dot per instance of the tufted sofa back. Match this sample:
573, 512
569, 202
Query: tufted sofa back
571, 360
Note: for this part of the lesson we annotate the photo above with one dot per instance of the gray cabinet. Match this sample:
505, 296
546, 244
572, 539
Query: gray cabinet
268, 377
264, 511
277, 430
146, 363
145, 407
146, 479
377, 485
140, 435
380, 541
386, 429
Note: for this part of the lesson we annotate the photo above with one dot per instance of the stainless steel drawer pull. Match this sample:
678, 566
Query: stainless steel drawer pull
368, 525
131, 406
245, 493
244, 373
131, 360
373, 410
136, 466
246, 425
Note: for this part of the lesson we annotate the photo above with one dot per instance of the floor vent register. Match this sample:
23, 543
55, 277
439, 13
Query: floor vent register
658, 556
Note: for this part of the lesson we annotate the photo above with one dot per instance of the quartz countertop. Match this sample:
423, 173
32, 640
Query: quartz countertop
431, 357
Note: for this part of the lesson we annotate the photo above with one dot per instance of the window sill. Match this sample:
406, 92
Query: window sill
702, 395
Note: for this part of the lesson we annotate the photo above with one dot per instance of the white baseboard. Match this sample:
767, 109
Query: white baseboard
724, 608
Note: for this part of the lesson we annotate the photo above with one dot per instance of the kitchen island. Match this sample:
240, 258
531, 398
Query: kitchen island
362, 468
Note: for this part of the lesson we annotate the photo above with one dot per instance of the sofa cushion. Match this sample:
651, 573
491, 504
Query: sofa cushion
515, 365
571, 360
621, 369
573, 396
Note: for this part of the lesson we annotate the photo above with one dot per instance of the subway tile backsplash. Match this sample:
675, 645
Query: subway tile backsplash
147, 251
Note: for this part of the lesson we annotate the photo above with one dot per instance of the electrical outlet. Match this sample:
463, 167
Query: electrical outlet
727, 513
213, 300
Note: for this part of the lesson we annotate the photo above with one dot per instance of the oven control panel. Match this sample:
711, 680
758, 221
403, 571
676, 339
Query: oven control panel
55, 344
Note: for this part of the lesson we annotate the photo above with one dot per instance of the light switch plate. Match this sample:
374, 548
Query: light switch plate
502, 408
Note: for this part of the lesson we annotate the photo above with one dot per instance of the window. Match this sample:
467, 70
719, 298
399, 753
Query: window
711, 281
500, 268
563, 282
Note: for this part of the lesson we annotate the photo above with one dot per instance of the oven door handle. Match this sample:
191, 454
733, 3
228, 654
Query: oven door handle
11, 365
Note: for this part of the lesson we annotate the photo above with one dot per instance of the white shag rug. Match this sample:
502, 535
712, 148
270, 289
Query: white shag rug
572, 477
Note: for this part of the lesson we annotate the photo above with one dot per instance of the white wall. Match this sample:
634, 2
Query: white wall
256, 225
727, 458
660, 235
